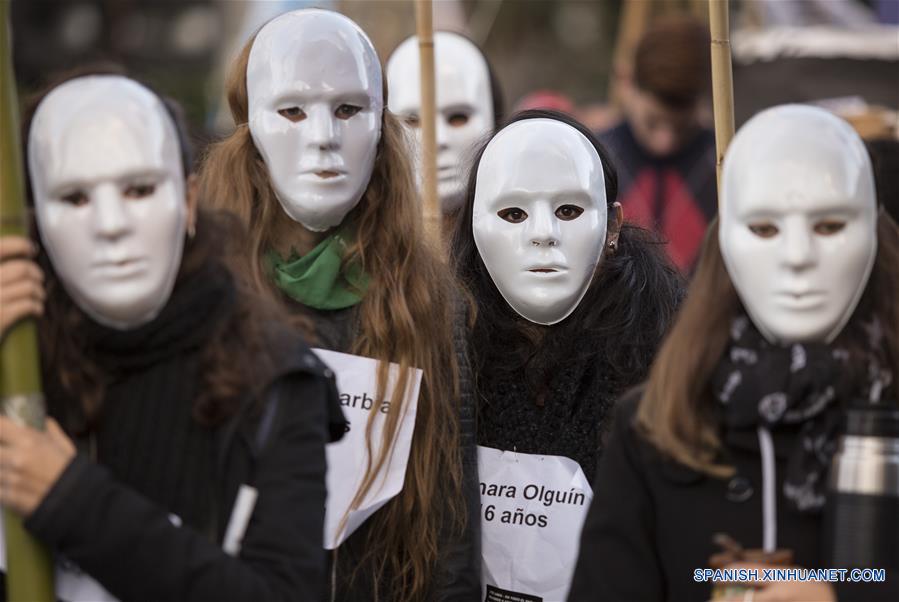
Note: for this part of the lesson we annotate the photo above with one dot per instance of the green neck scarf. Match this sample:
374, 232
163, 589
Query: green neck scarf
319, 279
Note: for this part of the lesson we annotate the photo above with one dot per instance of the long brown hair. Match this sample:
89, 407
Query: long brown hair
405, 317
676, 412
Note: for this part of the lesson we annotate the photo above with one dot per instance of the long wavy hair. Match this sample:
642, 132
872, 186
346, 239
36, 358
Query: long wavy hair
230, 361
624, 314
677, 412
406, 317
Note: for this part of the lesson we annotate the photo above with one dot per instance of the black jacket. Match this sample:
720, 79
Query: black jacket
144, 458
128, 544
651, 524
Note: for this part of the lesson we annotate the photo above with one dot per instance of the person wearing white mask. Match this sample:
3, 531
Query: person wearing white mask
571, 304
469, 105
160, 369
791, 318
318, 170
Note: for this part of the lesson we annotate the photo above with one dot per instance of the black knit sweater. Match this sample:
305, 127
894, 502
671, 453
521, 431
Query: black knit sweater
562, 413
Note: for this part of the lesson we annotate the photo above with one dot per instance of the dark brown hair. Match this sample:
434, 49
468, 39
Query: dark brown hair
672, 61
405, 317
677, 413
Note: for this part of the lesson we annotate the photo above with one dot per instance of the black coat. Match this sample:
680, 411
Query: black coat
651, 523
145, 458
127, 542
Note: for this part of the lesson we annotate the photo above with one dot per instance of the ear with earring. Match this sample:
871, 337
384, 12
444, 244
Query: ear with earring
613, 245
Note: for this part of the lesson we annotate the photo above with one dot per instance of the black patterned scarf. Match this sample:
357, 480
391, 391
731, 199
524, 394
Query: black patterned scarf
801, 387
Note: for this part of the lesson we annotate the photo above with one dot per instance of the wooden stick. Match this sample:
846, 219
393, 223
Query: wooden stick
722, 81
425, 32
29, 570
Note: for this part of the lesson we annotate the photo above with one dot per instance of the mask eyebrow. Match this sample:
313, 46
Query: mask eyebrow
306, 95
510, 198
457, 107
835, 209
154, 175
573, 196
65, 186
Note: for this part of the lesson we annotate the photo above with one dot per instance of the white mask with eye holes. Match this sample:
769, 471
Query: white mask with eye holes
109, 194
464, 105
539, 217
315, 107
798, 229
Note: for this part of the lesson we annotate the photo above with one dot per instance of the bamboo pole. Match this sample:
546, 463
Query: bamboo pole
29, 570
425, 32
722, 81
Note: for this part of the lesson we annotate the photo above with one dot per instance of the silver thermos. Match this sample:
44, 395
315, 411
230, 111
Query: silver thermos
862, 510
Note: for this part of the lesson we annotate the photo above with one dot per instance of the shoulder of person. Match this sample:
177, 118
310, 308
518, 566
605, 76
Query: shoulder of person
288, 354
625, 412
633, 437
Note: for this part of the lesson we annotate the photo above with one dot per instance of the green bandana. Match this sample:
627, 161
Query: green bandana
319, 280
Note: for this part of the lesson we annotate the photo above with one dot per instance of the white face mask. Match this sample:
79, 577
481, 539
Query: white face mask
539, 217
315, 104
798, 230
464, 105
108, 184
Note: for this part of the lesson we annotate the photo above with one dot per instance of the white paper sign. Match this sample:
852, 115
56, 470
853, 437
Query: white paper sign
532, 511
347, 459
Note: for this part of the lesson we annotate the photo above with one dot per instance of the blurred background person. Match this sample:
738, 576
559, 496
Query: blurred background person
664, 155
469, 105
545, 99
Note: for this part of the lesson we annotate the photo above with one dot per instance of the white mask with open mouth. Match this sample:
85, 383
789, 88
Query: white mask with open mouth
109, 194
539, 217
464, 104
798, 230
315, 103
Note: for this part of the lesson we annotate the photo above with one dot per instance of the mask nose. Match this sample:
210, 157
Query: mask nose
442, 142
544, 228
799, 247
111, 219
322, 132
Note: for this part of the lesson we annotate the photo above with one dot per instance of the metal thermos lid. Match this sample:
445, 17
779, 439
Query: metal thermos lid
881, 420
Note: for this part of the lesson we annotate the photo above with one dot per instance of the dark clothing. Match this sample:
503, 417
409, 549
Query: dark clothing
566, 418
154, 462
675, 196
458, 571
550, 390
651, 524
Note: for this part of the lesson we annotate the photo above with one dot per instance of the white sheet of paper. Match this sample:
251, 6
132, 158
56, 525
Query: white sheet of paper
347, 459
532, 511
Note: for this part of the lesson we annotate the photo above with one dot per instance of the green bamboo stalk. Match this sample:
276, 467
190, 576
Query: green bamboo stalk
29, 568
